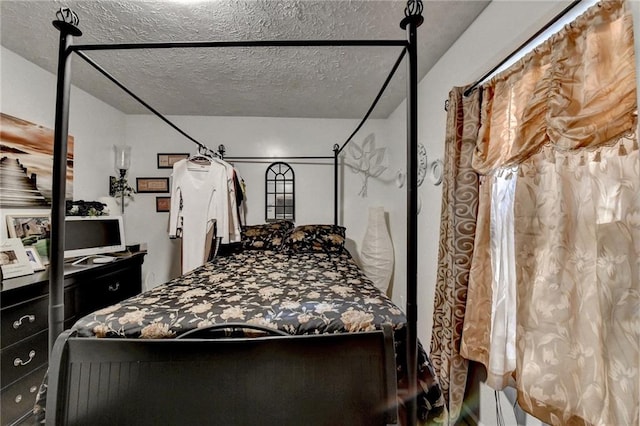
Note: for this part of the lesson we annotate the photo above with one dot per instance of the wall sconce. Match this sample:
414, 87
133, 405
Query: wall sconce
122, 161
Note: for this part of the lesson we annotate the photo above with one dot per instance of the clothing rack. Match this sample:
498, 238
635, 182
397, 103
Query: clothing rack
221, 152
548, 25
67, 23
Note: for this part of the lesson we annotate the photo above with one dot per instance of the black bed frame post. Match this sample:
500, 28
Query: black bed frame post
67, 25
413, 19
336, 151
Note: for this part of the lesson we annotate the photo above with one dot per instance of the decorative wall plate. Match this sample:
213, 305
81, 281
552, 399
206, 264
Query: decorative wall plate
435, 172
422, 163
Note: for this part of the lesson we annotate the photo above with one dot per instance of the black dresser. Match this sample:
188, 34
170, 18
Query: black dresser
24, 304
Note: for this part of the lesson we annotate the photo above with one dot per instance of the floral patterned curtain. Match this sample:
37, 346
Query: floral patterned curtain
457, 230
578, 245
554, 289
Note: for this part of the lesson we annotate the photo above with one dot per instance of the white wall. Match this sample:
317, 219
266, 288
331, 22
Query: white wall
244, 136
29, 92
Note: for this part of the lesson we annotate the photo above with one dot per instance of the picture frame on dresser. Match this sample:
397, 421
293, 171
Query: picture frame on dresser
14, 261
34, 259
32, 227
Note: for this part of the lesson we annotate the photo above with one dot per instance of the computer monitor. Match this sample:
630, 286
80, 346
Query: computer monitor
93, 235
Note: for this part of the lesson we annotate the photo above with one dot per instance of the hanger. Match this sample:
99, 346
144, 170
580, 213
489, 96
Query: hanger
201, 157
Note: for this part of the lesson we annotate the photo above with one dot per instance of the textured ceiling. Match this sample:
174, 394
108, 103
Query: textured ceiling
325, 82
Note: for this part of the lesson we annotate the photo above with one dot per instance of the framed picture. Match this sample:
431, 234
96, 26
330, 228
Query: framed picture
163, 204
27, 151
29, 227
152, 184
13, 259
34, 258
33, 229
167, 160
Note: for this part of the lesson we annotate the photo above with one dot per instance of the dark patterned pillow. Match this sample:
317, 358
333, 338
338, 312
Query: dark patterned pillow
315, 238
267, 236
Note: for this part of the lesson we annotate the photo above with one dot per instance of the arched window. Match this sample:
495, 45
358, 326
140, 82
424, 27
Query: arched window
280, 196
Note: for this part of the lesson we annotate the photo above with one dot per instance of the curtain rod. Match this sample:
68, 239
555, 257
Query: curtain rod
523, 45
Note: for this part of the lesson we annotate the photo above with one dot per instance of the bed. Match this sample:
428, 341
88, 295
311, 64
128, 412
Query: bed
298, 280
414, 372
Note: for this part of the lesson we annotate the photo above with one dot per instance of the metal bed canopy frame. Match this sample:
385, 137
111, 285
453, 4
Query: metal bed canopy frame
67, 23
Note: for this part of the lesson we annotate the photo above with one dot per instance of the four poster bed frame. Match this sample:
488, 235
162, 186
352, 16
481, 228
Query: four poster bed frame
67, 24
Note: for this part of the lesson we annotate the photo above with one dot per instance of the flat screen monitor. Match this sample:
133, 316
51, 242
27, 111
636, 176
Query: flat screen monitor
93, 235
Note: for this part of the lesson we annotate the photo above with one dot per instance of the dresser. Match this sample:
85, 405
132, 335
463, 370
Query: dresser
24, 305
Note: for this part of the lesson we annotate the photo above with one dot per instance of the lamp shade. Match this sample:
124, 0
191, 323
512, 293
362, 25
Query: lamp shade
377, 255
122, 157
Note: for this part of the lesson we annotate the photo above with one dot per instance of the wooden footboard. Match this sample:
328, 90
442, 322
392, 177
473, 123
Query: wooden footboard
326, 379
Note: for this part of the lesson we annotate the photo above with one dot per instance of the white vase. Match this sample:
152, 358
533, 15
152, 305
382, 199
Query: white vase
376, 255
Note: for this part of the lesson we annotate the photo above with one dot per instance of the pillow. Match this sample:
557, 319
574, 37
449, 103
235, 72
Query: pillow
315, 238
228, 249
268, 236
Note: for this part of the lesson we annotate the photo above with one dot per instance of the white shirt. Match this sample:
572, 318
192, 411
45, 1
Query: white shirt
199, 198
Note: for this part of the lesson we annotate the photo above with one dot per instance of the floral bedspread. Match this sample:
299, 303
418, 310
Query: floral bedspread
305, 293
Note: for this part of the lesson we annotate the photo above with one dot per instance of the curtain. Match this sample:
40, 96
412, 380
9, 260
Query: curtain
457, 230
576, 90
554, 285
578, 245
477, 328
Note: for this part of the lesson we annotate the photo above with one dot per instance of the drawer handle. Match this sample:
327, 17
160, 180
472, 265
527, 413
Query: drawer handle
18, 361
18, 323
114, 287
32, 389
18, 399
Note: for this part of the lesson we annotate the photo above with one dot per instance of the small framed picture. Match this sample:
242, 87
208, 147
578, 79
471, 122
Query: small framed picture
167, 160
29, 226
163, 204
152, 184
13, 259
34, 258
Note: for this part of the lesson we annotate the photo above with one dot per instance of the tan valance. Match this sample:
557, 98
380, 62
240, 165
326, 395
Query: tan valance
576, 90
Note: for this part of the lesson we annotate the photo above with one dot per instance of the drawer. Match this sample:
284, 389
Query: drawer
19, 398
26, 319
23, 357
105, 291
23, 320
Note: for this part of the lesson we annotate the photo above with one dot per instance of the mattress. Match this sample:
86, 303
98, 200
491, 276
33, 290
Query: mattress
298, 293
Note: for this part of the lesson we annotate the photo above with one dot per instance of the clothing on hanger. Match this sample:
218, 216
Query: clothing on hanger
199, 199
204, 206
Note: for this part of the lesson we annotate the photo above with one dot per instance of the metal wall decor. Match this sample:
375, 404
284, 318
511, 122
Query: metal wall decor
279, 192
422, 163
367, 160
436, 170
